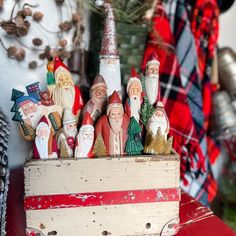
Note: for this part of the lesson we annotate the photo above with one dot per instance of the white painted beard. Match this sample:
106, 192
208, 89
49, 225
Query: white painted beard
42, 146
84, 146
64, 97
112, 75
152, 87
157, 122
116, 125
70, 133
135, 106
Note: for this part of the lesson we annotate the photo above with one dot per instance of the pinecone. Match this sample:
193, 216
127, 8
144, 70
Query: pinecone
20, 54
9, 27
33, 65
63, 42
11, 51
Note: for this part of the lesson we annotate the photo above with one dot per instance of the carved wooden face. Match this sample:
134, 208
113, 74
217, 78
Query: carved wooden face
159, 113
99, 92
29, 108
88, 134
116, 113
135, 90
43, 132
152, 69
64, 80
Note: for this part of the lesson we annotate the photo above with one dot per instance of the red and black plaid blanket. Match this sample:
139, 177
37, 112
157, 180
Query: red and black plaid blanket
182, 127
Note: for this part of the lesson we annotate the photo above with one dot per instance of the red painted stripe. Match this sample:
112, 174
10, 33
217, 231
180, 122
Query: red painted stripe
101, 198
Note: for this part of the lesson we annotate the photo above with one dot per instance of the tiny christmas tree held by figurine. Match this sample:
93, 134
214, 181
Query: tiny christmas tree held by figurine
134, 143
99, 149
146, 111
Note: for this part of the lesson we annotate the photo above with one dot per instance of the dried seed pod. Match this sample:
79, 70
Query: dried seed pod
20, 54
11, 51
33, 65
37, 42
63, 42
27, 11
76, 17
42, 56
65, 26
37, 16
9, 27
23, 29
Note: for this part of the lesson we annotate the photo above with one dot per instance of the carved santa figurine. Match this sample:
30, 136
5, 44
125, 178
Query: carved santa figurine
113, 126
109, 58
159, 120
85, 138
45, 145
67, 134
97, 103
152, 84
65, 93
134, 101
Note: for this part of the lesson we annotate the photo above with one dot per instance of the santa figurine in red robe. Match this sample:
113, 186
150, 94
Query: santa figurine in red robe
159, 120
152, 84
134, 91
66, 94
113, 126
45, 145
85, 138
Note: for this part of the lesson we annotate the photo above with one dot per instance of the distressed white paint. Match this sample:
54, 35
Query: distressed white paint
97, 175
117, 219
66, 176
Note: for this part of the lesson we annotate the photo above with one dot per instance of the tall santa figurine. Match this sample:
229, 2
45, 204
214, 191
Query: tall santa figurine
66, 94
113, 126
152, 83
85, 138
159, 120
109, 57
134, 101
45, 145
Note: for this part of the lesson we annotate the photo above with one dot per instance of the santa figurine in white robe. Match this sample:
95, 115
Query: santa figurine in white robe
152, 83
65, 93
85, 138
135, 99
159, 120
109, 57
45, 145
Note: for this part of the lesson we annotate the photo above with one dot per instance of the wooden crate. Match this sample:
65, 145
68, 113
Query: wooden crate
106, 196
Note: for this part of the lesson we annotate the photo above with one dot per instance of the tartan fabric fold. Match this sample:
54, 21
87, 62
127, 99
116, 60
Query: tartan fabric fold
174, 97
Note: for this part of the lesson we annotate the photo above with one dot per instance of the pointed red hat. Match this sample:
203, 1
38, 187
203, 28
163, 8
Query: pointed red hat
153, 59
58, 63
43, 119
87, 119
134, 77
114, 101
98, 81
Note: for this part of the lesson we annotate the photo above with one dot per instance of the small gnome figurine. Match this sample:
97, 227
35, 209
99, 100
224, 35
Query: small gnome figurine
66, 94
50, 77
85, 138
152, 84
97, 103
134, 101
67, 134
113, 126
45, 145
109, 57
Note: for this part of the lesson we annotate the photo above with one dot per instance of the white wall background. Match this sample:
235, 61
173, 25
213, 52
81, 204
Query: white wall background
15, 75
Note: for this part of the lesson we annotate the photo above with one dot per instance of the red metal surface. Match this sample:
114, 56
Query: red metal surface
195, 219
101, 198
